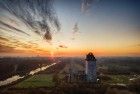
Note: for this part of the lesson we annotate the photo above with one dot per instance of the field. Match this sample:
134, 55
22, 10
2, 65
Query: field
40, 80
54, 81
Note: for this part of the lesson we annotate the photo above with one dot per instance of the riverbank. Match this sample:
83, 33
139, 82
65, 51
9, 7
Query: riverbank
21, 78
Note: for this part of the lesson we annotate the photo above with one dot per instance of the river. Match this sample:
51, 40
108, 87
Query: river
17, 77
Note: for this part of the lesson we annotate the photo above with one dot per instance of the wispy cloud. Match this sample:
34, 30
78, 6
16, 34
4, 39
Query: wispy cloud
38, 15
63, 46
86, 5
75, 28
3, 39
75, 31
25, 25
11, 27
4, 48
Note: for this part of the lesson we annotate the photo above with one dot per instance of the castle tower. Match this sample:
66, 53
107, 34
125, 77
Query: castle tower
90, 68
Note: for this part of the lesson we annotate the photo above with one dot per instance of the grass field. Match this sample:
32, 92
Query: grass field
40, 80
123, 79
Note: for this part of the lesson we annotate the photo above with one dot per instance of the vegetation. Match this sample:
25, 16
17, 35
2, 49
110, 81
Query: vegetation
118, 79
10, 66
40, 80
112, 73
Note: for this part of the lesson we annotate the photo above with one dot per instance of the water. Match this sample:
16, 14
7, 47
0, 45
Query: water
11, 79
17, 77
40, 69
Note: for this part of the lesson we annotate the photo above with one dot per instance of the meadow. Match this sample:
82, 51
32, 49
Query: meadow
39, 80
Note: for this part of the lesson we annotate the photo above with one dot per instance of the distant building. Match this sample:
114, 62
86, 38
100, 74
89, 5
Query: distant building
90, 68
86, 73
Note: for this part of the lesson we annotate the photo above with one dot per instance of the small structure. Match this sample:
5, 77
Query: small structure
76, 73
90, 68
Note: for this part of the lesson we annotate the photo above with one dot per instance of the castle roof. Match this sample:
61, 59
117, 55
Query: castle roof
90, 57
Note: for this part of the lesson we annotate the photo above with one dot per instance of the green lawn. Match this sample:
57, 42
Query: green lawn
39, 80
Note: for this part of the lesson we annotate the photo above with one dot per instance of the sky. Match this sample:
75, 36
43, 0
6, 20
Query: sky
69, 27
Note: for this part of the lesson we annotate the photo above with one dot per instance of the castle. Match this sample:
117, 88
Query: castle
86, 75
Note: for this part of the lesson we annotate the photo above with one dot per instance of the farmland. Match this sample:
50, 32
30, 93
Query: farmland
52, 80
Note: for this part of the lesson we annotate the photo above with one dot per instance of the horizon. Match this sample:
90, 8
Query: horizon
67, 28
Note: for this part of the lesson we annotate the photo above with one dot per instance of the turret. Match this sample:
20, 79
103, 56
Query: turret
90, 68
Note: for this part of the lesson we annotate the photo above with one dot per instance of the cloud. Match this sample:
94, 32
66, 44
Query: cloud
48, 35
63, 46
15, 45
11, 49
86, 4
75, 31
11, 27
4, 48
137, 45
3, 39
28, 45
75, 28
37, 15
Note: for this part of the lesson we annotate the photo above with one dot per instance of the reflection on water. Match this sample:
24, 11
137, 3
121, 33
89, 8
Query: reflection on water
17, 77
40, 69
11, 79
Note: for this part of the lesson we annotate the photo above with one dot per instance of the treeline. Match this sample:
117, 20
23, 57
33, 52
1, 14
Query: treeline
120, 65
20, 66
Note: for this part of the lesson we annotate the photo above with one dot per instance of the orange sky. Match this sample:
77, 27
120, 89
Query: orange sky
104, 30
